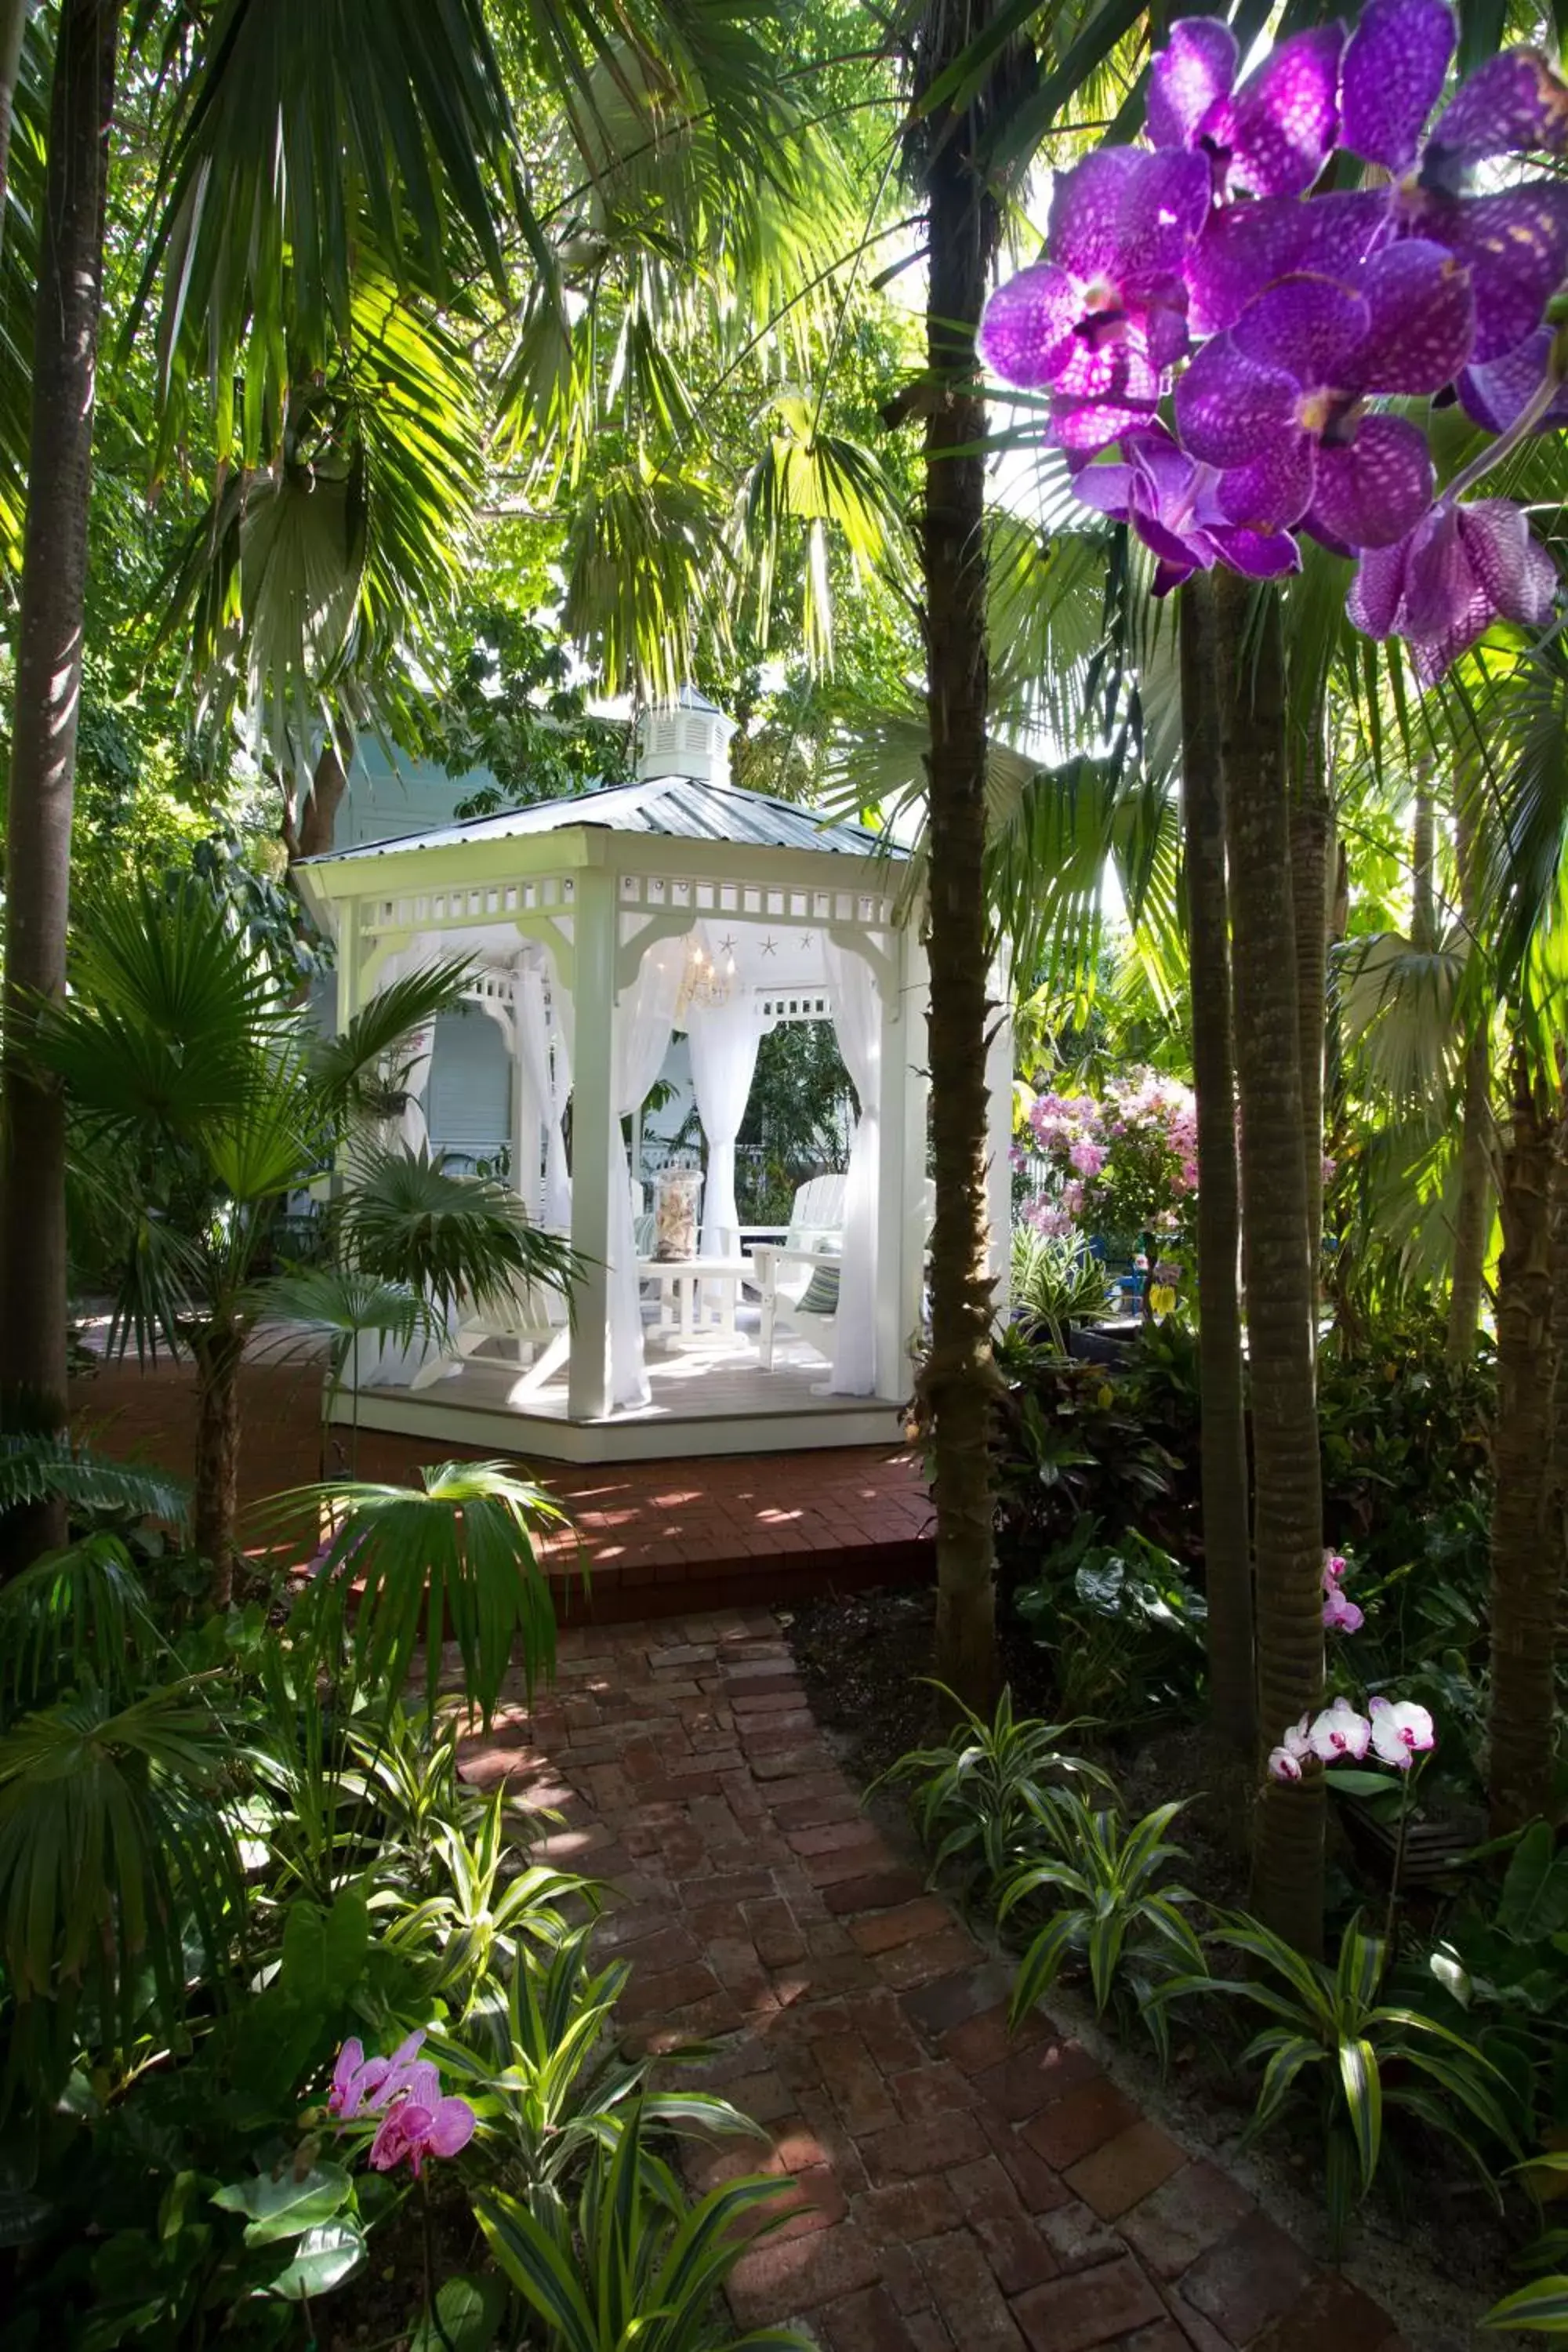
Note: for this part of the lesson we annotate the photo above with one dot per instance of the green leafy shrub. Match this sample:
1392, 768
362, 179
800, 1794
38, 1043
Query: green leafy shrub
1054, 1283
635, 2262
1111, 1906
1068, 1443
1122, 1626
1333, 2030
980, 1799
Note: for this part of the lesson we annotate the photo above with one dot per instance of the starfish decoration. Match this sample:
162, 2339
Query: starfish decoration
806, 937
727, 946
770, 946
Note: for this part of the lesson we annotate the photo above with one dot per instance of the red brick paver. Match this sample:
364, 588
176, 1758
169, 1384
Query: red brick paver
950, 2188
656, 1537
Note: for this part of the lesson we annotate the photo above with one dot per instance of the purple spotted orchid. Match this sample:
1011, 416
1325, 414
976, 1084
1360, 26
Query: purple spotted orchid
1443, 585
1278, 402
1269, 138
1286, 318
1101, 319
1170, 503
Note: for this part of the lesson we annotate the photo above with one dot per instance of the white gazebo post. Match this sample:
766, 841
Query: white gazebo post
892, 1326
593, 1139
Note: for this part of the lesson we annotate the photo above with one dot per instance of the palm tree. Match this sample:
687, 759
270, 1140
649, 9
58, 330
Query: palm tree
201, 1097
1288, 1533
959, 1379
47, 699
1228, 1543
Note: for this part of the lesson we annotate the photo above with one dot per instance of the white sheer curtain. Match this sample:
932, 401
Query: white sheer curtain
724, 1041
857, 1024
639, 1040
533, 1039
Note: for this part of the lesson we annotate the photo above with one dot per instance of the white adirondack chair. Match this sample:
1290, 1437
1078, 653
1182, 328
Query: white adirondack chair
537, 1324
796, 1278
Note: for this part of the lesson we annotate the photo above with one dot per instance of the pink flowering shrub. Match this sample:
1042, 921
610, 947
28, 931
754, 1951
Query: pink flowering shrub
1121, 1164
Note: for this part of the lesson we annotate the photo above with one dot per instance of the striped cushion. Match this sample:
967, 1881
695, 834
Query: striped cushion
820, 1296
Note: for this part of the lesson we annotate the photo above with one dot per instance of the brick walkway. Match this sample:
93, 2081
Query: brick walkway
656, 1537
954, 2188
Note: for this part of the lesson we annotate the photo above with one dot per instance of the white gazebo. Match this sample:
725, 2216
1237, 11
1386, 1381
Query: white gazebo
598, 927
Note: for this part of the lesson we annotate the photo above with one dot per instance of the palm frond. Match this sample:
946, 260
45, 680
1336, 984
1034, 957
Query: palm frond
455, 1562
342, 1066
407, 1219
33, 1468
113, 1844
72, 1616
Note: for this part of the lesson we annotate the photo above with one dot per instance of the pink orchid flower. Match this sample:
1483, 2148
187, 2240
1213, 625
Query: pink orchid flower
1400, 1730
1334, 1566
1284, 1761
1339, 1615
361, 2084
414, 2128
1338, 1731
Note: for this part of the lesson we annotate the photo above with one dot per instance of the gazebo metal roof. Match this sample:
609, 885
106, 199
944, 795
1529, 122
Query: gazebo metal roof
674, 806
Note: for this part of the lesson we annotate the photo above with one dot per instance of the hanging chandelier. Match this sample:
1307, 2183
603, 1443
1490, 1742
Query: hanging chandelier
701, 981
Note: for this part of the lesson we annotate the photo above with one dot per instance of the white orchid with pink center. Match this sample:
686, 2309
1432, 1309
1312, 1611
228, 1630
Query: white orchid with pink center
1400, 1731
1339, 1731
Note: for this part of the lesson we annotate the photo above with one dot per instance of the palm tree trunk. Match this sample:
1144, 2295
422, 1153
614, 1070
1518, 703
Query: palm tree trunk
960, 1379
1473, 1208
1287, 1527
215, 1503
13, 32
318, 817
1228, 1543
33, 1273
1523, 1588
1310, 828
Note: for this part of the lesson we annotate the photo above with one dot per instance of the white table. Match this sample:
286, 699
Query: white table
684, 1310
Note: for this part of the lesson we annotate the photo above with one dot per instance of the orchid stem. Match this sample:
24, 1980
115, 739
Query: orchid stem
1523, 425
1391, 1923
431, 2313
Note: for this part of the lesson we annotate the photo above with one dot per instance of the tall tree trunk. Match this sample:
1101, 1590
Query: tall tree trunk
1228, 1543
1473, 1207
1310, 824
318, 817
960, 1378
44, 729
13, 33
1523, 1590
215, 1502
1288, 1529
1423, 868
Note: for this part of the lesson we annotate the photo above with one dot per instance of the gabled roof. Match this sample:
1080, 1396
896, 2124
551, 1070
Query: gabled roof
674, 806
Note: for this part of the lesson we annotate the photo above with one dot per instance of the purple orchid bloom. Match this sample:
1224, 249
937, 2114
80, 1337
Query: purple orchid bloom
1515, 244
414, 2128
1497, 393
363, 2084
1278, 404
1099, 322
1269, 138
1462, 568
1169, 501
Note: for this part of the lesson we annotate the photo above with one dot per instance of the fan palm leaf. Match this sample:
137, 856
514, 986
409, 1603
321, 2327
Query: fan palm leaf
113, 1837
407, 1219
455, 1561
75, 1616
